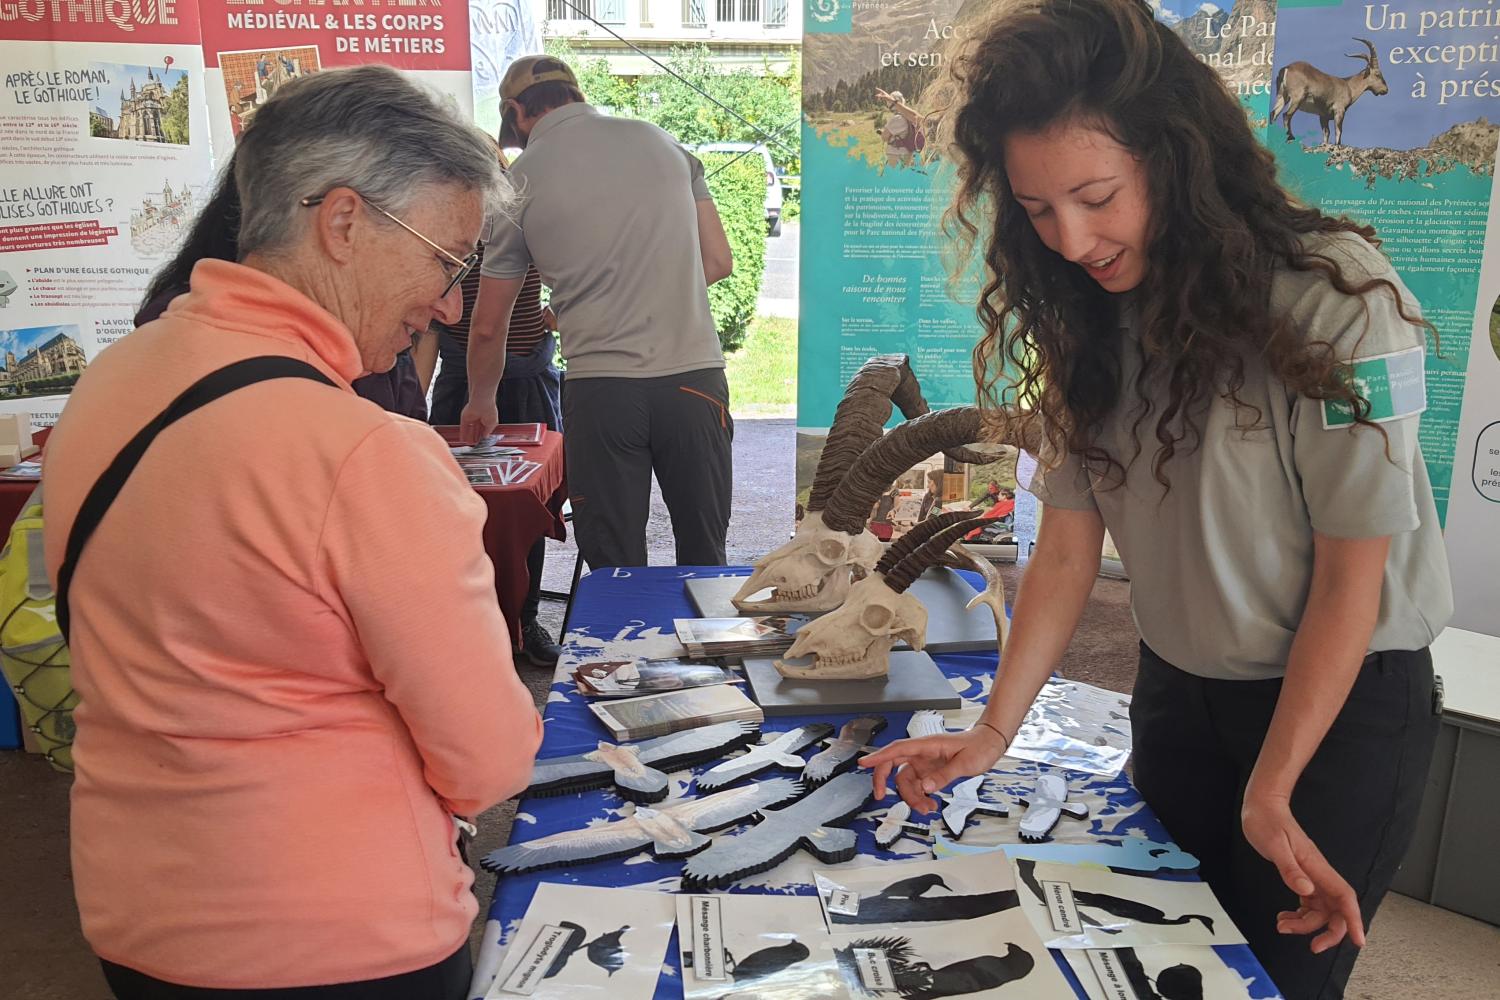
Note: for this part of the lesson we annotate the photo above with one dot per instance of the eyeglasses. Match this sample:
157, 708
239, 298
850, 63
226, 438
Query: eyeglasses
456, 268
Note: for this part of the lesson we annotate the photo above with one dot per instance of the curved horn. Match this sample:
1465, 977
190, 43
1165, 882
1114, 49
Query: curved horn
1369, 59
910, 401
859, 419
929, 554
883, 461
904, 545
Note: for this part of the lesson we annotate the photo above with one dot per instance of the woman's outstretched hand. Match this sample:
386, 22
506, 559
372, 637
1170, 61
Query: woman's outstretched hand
1326, 903
929, 763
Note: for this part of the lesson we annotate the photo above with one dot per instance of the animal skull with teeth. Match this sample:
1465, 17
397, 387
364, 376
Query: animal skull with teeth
812, 572
832, 547
855, 641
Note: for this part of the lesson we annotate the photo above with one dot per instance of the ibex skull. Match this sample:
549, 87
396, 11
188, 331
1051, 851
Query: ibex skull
811, 572
855, 641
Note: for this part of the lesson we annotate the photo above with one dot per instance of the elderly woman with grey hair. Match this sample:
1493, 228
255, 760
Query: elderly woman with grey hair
293, 670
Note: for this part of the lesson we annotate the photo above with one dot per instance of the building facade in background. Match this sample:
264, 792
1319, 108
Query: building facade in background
739, 34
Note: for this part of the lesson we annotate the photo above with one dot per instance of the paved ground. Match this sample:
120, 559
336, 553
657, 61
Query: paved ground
778, 289
1416, 951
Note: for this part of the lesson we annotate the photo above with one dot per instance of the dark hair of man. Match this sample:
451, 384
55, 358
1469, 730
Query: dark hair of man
1221, 227
543, 97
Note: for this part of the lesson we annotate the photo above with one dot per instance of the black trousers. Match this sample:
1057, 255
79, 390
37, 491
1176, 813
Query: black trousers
620, 430
447, 980
1195, 743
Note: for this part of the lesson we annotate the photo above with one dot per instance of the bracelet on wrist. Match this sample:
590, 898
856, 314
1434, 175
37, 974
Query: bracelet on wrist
996, 730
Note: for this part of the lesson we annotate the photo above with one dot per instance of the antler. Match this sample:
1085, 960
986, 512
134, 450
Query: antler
929, 554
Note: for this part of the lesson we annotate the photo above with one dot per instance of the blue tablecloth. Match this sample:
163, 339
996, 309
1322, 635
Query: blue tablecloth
622, 613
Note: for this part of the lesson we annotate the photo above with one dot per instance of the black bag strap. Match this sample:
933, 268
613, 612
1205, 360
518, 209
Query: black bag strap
207, 389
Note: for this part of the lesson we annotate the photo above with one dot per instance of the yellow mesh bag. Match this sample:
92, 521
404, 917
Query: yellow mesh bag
33, 655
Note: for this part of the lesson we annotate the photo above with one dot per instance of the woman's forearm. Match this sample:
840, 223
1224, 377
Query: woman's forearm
1343, 603
1052, 595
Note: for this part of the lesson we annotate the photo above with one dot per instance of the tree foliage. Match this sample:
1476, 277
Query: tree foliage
739, 190
759, 103
174, 116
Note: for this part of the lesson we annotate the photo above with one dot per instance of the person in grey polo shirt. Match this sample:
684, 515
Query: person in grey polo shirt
1230, 382
618, 219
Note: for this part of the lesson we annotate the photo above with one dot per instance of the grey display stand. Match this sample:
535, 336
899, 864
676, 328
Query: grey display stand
951, 627
914, 682
1451, 859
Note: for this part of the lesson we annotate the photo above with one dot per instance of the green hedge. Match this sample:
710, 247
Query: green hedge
739, 192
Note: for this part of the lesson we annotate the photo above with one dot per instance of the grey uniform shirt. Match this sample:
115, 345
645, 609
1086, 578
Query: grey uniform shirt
608, 214
1221, 564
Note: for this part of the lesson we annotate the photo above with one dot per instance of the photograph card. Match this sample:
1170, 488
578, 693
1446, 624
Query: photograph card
877, 899
673, 711
627, 678
995, 957
767, 947
1077, 906
579, 941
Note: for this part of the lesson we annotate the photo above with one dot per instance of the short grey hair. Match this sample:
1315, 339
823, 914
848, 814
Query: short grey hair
368, 128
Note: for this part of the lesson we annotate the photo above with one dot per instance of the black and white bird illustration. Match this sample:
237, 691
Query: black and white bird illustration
773, 750
638, 770
1116, 906
964, 801
912, 888
671, 831
765, 962
918, 979
574, 941
1046, 805
607, 952
839, 755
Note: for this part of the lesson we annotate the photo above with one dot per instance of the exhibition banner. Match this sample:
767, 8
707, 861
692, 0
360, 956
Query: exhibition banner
1410, 150
1418, 163
252, 47
104, 156
110, 126
500, 32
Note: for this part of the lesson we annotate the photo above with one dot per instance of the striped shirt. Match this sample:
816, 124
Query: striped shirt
526, 328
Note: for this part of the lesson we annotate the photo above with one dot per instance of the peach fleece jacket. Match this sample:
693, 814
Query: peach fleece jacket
291, 661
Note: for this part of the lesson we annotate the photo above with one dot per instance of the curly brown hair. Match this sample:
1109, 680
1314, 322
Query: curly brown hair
1221, 227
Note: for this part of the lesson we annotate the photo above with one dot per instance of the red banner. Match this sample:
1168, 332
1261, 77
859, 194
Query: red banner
158, 22
408, 34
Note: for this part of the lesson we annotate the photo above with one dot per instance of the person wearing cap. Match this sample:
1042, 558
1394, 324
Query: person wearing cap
618, 219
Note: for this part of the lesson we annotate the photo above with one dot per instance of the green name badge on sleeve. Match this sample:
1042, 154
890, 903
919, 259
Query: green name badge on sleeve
1395, 385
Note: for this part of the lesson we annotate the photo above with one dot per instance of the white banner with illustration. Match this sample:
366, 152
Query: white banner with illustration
104, 158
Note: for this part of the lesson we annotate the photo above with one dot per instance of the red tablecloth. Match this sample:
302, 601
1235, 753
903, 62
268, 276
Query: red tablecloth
518, 516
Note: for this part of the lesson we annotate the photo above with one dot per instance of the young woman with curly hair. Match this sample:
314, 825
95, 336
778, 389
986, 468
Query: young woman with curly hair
1195, 344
